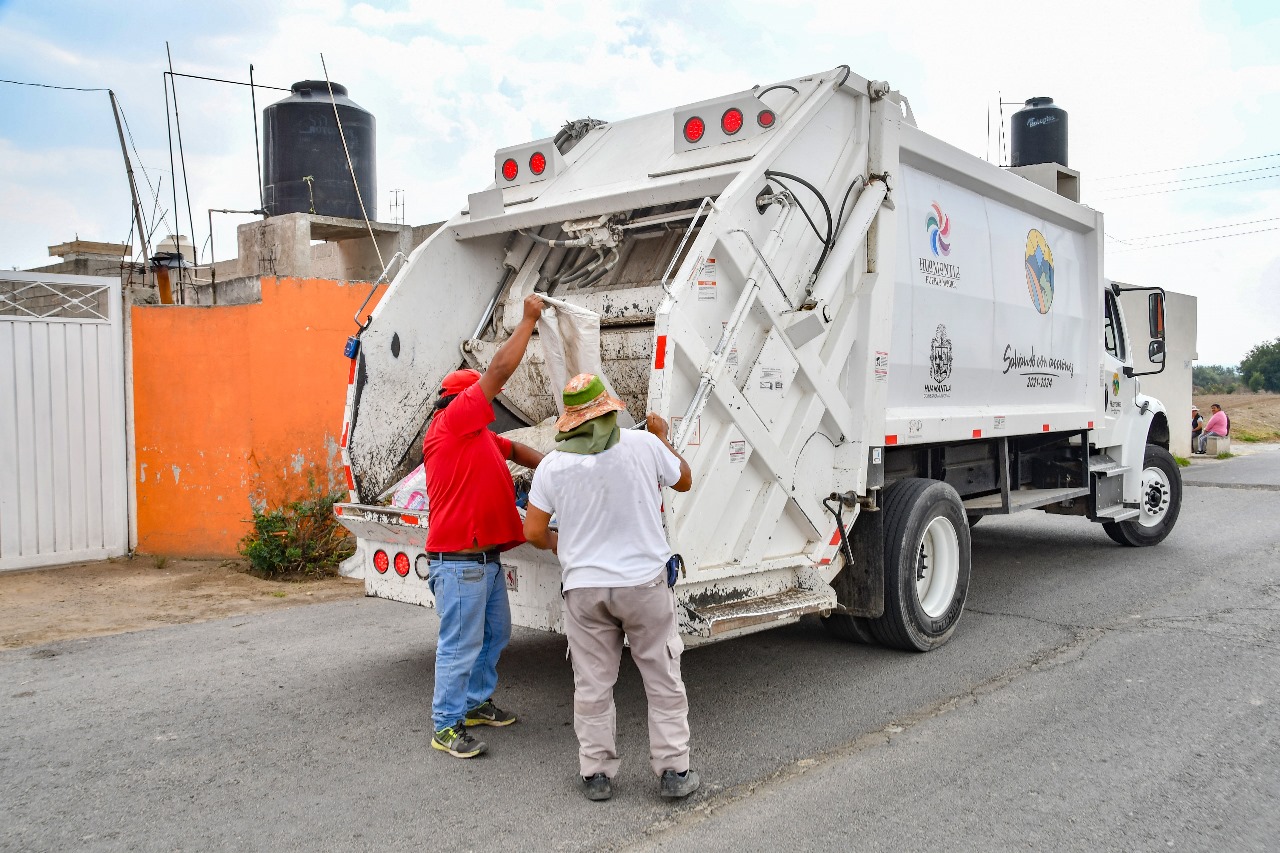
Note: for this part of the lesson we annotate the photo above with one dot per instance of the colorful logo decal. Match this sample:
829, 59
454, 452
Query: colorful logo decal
1039, 269
940, 359
1115, 385
938, 225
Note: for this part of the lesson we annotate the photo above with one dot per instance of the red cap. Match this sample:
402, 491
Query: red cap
459, 381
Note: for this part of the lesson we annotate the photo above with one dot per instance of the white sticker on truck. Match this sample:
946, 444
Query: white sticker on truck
882, 366
737, 451
732, 359
707, 281
694, 438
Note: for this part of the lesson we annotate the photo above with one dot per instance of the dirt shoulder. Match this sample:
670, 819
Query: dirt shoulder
1253, 416
114, 596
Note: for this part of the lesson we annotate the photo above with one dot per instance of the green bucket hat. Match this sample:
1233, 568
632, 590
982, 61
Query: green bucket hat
585, 398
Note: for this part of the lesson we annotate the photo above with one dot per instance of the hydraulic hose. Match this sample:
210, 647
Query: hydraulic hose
577, 243
601, 272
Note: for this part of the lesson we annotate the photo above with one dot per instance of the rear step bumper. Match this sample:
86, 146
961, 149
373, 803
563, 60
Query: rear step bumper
717, 620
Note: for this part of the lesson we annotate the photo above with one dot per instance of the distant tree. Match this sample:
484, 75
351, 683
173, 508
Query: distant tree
1215, 378
1264, 359
1256, 382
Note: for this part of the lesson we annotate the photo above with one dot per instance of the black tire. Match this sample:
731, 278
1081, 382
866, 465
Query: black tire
849, 628
1162, 497
910, 507
1112, 529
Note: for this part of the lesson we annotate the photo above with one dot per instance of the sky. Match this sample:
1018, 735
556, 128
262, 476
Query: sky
1174, 106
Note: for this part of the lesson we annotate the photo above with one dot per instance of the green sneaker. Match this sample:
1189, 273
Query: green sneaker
488, 714
458, 742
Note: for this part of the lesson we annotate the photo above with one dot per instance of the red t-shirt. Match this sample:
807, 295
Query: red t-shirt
471, 498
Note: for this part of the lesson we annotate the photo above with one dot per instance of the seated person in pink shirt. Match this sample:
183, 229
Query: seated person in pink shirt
1219, 425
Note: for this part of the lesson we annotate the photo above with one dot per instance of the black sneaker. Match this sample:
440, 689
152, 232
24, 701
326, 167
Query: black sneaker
597, 787
488, 714
675, 784
458, 742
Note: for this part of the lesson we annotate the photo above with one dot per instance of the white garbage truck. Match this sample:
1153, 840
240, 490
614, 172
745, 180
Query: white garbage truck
864, 338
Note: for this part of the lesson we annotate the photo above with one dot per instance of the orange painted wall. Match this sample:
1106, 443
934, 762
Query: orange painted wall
235, 404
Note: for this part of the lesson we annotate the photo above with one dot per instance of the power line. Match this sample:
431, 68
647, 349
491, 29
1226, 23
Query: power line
51, 86
1182, 168
1197, 230
1195, 178
1198, 240
232, 82
1197, 187
134, 145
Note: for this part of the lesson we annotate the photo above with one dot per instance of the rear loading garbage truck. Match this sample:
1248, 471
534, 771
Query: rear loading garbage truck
865, 340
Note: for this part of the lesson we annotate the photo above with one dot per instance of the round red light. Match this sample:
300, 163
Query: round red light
538, 163
510, 169
380, 562
731, 121
402, 564
694, 128
766, 118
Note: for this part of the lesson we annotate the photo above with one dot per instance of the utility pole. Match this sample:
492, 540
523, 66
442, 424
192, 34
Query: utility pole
133, 187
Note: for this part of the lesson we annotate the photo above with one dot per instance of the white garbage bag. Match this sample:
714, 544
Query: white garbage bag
411, 492
570, 336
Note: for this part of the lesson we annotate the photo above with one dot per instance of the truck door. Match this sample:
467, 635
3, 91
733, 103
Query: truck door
1115, 384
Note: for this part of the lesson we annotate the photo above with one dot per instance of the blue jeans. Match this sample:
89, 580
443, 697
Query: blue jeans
475, 625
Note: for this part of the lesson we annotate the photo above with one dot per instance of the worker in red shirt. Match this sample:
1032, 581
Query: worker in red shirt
473, 519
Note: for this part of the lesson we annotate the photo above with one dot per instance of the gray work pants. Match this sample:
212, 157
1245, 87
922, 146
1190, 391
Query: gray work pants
596, 619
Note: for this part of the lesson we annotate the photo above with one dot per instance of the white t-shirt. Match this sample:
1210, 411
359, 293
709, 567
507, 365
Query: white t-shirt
609, 509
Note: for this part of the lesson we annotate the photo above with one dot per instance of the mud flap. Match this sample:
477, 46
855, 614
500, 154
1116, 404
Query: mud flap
860, 587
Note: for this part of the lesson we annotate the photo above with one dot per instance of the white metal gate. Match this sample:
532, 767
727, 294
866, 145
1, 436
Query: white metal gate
63, 491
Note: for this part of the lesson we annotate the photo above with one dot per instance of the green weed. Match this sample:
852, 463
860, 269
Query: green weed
298, 540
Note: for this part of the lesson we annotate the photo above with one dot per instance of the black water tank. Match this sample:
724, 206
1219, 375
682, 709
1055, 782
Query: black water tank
301, 140
1039, 134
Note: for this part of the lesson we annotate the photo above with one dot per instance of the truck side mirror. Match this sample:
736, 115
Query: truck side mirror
1155, 352
1155, 318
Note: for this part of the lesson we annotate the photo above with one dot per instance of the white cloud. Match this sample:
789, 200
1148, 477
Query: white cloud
1148, 85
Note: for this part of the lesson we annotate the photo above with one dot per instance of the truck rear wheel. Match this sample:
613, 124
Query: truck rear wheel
926, 564
1159, 502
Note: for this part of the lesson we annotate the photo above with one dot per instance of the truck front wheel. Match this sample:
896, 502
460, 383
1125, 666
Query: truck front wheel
926, 564
1159, 502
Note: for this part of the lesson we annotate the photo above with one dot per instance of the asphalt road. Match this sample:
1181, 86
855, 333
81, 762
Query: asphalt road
1094, 697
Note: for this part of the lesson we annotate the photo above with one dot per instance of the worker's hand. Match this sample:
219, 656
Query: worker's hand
656, 425
533, 306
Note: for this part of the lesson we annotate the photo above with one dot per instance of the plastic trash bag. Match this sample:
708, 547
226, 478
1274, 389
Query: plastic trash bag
570, 337
411, 492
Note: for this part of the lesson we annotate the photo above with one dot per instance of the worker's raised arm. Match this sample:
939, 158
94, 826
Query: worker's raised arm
656, 425
507, 358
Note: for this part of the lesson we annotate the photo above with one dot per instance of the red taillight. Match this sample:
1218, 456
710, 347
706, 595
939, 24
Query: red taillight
694, 128
538, 163
510, 169
766, 118
402, 564
731, 121
380, 562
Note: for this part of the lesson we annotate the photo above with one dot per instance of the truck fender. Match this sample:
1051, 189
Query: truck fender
1158, 430
860, 587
